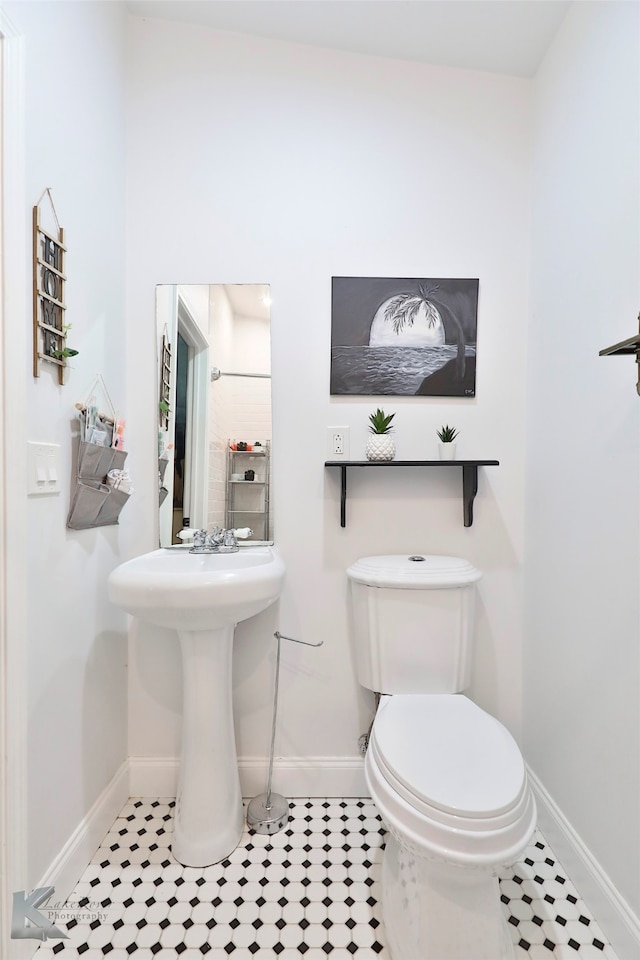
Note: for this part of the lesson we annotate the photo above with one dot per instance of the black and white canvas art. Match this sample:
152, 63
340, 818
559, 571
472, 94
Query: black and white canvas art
403, 337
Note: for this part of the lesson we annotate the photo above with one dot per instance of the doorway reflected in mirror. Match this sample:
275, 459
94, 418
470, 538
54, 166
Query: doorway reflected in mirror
214, 442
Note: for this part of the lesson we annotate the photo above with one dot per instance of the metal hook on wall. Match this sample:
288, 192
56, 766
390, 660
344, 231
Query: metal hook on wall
305, 643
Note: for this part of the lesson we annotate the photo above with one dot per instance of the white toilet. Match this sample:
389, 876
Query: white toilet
447, 778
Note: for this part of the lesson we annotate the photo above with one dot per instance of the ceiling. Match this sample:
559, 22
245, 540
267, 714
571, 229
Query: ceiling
249, 299
500, 36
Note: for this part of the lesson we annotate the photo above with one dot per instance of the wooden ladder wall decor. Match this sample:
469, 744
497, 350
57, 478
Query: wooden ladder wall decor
49, 327
165, 382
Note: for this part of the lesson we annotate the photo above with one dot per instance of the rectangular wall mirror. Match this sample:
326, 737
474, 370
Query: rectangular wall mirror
214, 408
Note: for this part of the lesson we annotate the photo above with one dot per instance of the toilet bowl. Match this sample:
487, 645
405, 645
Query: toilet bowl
457, 808
447, 778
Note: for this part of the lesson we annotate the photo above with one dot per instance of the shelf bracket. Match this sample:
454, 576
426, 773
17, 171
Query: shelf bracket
343, 496
625, 347
469, 490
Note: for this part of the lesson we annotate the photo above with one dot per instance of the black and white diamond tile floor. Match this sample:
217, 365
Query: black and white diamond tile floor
310, 892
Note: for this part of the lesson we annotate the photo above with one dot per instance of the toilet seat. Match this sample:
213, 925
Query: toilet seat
444, 753
458, 794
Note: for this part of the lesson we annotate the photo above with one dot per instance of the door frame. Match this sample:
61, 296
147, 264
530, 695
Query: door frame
173, 315
14, 362
197, 438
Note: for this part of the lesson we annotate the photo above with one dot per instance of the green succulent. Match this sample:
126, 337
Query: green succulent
380, 421
64, 354
447, 434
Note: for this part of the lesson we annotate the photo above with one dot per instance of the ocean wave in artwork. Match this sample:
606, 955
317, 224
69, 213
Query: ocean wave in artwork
394, 371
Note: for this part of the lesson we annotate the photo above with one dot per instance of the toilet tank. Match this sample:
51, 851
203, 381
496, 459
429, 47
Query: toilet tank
412, 622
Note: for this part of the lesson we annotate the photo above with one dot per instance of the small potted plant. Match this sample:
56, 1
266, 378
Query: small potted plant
380, 445
447, 436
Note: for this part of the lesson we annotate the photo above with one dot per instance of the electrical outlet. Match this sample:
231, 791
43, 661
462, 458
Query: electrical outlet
337, 443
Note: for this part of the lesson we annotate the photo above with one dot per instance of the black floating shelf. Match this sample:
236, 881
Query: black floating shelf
469, 478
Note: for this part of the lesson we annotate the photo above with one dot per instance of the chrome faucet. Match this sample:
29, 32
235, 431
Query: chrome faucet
219, 540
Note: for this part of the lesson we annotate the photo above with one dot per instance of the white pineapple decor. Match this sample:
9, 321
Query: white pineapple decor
380, 445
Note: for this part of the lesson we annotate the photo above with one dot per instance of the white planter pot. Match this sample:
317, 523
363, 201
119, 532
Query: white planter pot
447, 451
380, 446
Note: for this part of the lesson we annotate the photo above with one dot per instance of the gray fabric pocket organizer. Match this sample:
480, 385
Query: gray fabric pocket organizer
95, 503
110, 509
162, 490
94, 462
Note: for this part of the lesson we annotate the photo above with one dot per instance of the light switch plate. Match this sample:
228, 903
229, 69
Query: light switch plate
43, 468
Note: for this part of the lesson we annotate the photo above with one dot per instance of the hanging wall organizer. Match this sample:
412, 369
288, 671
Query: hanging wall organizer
49, 280
630, 346
99, 495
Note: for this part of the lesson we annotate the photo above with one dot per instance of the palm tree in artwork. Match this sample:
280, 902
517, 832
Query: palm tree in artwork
404, 309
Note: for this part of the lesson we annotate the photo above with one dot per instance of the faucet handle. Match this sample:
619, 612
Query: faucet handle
199, 538
229, 539
242, 533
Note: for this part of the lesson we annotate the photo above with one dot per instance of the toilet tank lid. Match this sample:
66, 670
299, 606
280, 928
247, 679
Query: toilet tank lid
414, 571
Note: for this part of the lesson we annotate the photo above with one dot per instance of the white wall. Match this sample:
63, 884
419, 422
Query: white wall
256, 161
582, 668
76, 686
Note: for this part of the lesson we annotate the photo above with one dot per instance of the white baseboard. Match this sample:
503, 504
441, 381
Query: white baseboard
614, 915
305, 776
71, 862
153, 776
292, 776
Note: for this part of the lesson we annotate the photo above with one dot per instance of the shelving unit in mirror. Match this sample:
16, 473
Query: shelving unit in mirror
248, 487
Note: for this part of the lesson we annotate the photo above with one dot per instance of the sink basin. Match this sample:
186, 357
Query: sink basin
197, 591
202, 596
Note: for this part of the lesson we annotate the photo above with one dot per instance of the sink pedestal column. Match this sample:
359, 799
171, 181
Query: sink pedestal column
209, 816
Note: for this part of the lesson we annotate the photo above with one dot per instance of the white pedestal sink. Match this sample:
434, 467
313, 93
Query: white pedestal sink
203, 596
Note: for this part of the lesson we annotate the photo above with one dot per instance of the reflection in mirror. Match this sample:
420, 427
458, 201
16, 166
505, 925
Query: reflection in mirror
214, 408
